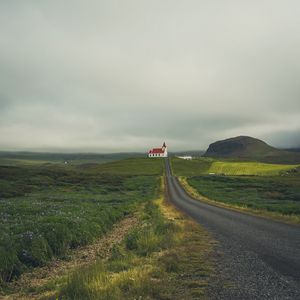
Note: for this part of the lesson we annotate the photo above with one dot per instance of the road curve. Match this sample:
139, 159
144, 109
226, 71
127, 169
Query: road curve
260, 258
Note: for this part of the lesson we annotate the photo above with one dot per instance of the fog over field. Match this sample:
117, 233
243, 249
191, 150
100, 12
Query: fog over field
117, 76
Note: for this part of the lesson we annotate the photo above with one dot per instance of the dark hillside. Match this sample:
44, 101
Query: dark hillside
245, 147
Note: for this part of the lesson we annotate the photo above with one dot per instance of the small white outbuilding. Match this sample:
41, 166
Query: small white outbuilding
185, 157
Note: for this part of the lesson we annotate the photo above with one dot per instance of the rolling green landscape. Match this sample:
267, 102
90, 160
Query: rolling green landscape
205, 166
254, 185
31, 158
56, 219
47, 209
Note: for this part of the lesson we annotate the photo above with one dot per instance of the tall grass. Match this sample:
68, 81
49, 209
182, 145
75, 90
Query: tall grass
274, 194
130, 272
46, 210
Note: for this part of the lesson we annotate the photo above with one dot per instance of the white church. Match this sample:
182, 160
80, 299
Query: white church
159, 152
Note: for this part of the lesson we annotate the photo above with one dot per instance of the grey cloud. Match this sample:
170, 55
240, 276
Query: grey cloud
124, 75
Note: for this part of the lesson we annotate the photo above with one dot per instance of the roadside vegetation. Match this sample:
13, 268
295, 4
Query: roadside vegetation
46, 210
97, 231
205, 165
61, 216
167, 256
265, 189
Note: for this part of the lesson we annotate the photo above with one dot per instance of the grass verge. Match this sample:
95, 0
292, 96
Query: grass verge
242, 206
165, 257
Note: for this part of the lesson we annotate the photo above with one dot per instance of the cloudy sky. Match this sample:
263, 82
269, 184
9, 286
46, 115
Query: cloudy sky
116, 76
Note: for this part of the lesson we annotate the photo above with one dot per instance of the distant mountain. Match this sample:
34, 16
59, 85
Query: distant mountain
246, 147
292, 149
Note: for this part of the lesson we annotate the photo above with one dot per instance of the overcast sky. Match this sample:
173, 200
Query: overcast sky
116, 76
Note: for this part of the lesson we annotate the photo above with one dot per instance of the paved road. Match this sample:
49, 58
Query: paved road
259, 258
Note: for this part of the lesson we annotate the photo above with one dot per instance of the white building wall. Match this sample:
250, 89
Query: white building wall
157, 154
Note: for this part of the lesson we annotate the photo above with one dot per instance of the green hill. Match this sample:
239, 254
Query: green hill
249, 148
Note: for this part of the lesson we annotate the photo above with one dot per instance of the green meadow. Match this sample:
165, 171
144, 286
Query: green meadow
128, 167
274, 194
257, 186
51, 213
203, 166
48, 209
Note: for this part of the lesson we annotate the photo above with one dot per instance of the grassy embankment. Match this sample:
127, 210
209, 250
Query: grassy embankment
46, 210
264, 189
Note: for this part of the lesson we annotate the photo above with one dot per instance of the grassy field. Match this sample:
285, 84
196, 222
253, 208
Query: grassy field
274, 194
204, 166
45, 210
34, 158
51, 211
248, 168
129, 166
258, 187
166, 257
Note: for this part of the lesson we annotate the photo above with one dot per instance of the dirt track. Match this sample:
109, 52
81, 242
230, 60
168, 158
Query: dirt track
101, 249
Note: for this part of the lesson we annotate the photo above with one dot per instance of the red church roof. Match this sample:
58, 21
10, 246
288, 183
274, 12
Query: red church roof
157, 151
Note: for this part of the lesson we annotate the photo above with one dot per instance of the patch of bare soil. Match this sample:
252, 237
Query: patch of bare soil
82, 256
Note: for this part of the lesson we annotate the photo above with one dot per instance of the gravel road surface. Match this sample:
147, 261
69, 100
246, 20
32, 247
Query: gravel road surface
256, 258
